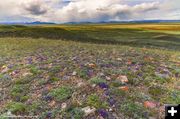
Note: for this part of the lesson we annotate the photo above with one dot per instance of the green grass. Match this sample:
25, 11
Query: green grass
142, 36
61, 93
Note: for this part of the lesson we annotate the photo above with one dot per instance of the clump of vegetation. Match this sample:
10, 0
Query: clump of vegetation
131, 109
76, 113
61, 93
157, 91
94, 101
17, 107
97, 80
34, 70
19, 91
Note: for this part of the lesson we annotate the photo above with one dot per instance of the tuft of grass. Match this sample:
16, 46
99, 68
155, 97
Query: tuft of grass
19, 91
62, 93
97, 80
156, 91
94, 101
17, 107
131, 109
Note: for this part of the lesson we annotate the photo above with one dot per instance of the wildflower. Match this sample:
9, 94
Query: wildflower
47, 98
111, 101
49, 114
103, 85
103, 113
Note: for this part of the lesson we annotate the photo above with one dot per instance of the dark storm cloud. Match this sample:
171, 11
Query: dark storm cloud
35, 8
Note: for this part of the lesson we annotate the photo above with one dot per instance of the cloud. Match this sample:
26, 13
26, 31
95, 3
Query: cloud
35, 7
93, 10
89, 10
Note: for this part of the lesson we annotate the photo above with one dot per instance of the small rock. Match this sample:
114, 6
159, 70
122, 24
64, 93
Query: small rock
52, 103
80, 84
27, 74
119, 59
149, 104
74, 73
63, 106
88, 110
92, 65
110, 110
9, 113
94, 85
124, 88
123, 78
108, 78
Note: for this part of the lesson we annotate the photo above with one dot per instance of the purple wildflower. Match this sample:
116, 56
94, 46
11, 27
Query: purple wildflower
103, 85
47, 98
10, 66
140, 74
103, 113
90, 73
29, 60
176, 75
111, 101
49, 114
107, 93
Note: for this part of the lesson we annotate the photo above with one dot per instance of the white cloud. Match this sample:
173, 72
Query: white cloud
89, 10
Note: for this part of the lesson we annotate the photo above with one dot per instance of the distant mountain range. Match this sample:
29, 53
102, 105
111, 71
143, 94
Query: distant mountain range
133, 21
105, 22
27, 23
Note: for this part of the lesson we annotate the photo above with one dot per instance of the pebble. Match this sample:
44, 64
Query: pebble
149, 104
108, 78
124, 88
63, 106
74, 73
122, 78
88, 110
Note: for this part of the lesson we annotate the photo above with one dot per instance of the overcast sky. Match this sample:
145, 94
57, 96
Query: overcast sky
87, 10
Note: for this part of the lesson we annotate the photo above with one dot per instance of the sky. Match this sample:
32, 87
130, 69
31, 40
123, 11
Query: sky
60, 11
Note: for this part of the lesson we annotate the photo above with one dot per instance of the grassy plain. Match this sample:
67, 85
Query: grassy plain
122, 70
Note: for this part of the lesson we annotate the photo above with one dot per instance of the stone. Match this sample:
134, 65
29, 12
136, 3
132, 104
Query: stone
27, 74
88, 110
124, 88
149, 104
119, 59
80, 84
123, 78
92, 65
63, 106
74, 73
108, 78
52, 103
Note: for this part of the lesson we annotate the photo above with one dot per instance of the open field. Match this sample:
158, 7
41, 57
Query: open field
119, 70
